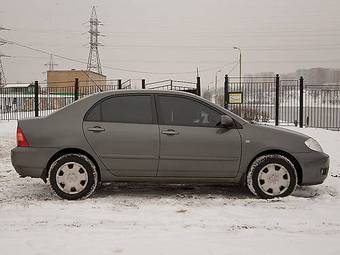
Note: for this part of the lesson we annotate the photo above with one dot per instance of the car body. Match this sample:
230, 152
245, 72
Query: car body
163, 136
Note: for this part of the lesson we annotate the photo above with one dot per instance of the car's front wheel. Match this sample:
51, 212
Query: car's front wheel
73, 176
272, 176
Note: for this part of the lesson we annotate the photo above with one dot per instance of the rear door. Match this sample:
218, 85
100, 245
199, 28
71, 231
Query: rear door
123, 132
193, 144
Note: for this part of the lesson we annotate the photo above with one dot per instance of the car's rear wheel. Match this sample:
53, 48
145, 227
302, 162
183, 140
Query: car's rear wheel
272, 176
73, 176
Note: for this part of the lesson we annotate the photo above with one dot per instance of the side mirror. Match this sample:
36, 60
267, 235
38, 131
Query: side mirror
227, 122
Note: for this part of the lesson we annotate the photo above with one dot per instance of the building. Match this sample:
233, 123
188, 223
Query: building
15, 97
18, 87
66, 78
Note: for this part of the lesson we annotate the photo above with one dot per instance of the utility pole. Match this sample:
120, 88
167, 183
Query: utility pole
93, 62
216, 89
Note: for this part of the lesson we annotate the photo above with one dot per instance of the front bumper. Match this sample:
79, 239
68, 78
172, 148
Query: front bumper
315, 166
29, 161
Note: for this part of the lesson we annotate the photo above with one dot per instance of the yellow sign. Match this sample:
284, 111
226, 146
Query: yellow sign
235, 97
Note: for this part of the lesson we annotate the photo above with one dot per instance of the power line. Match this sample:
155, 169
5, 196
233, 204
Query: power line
233, 68
315, 32
213, 48
113, 68
212, 61
164, 73
228, 73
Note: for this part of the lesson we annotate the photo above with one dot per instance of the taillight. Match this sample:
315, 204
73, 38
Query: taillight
21, 139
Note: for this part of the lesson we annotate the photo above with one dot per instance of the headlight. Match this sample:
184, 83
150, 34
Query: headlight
313, 145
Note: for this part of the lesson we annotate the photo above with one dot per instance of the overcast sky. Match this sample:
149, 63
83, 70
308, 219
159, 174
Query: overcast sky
173, 36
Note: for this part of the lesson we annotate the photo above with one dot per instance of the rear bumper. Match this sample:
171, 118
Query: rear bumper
315, 166
28, 161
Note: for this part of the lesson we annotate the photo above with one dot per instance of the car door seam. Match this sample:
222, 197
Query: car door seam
159, 133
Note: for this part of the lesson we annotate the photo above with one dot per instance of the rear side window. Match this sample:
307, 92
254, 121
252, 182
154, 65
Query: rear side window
123, 109
181, 111
94, 114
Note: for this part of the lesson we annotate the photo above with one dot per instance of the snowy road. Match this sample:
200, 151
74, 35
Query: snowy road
168, 219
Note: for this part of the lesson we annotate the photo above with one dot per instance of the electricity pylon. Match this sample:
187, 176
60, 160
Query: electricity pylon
93, 62
2, 71
51, 64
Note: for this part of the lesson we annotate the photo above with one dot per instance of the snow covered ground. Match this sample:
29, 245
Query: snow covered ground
168, 219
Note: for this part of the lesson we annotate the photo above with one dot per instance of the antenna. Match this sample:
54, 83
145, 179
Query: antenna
93, 62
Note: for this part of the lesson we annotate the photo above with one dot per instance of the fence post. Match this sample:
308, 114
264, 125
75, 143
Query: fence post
143, 83
170, 84
277, 99
119, 84
301, 102
76, 89
36, 99
198, 86
226, 91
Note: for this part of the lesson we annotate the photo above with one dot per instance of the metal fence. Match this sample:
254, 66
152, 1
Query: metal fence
191, 87
257, 98
15, 103
285, 102
262, 99
35, 100
322, 106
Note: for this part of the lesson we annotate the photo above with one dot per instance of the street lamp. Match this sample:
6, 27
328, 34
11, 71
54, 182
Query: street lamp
237, 48
218, 71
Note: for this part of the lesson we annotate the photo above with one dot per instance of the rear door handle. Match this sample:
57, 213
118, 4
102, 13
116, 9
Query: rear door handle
96, 129
170, 132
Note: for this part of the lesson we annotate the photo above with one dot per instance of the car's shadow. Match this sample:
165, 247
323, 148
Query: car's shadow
151, 190
41, 192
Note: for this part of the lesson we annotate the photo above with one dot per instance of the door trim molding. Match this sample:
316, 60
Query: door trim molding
128, 156
198, 158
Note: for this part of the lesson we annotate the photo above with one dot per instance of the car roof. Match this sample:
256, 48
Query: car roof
147, 91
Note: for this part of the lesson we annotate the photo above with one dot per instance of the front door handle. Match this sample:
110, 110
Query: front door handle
170, 132
96, 129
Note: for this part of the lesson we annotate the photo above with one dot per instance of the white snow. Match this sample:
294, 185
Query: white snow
168, 219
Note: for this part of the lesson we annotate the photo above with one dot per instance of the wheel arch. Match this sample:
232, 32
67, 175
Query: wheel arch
65, 151
282, 153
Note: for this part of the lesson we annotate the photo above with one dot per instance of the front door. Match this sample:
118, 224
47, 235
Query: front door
193, 144
123, 132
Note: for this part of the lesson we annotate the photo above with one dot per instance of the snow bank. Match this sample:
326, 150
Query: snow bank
168, 219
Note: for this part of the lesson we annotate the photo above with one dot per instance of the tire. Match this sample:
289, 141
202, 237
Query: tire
73, 176
272, 176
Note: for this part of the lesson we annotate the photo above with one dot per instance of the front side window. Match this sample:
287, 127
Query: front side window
123, 109
181, 111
